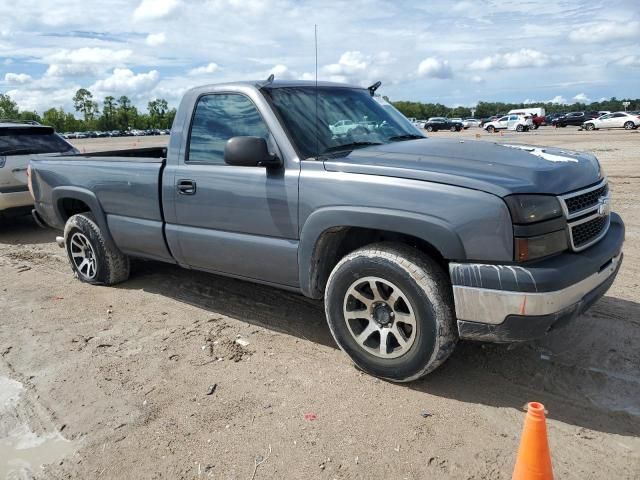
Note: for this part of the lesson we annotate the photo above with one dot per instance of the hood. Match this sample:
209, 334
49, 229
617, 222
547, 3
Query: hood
501, 169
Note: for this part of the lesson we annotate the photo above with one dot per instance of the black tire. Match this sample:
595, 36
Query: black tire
629, 126
535, 126
111, 265
427, 289
429, 128
590, 127
453, 128
520, 128
491, 129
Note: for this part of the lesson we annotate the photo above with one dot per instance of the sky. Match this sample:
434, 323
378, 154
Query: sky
452, 52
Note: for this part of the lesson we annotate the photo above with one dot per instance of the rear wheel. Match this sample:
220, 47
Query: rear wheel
429, 128
520, 128
491, 129
453, 128
535, 126
629, 126
92, 259
390, 308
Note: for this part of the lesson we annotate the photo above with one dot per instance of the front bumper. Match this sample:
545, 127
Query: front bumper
510, 303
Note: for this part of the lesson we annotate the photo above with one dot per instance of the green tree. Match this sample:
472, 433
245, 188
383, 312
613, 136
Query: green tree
8, 108
157, 112
83, 102
126, 113
54, 118
109, 110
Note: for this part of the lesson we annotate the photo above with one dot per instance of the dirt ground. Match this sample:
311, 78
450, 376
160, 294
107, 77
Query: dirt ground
146, 379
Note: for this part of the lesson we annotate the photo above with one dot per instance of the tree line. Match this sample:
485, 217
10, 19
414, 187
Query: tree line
121, 114
487, 109
112, 114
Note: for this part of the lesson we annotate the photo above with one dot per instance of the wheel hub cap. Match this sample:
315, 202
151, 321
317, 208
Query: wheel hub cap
83, 256
379, 317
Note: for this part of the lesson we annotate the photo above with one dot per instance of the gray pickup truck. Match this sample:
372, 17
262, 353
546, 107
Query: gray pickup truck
413, 242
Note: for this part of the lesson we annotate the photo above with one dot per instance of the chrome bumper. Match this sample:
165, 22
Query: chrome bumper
489, 306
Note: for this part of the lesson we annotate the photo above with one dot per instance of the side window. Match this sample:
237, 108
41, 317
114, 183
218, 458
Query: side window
618, 115
503, 119
219, 117
513, 117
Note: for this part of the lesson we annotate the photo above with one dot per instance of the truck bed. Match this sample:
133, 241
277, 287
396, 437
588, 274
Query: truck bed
125, 184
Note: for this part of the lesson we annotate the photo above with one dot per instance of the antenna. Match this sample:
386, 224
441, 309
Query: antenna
268, 81
372, 89
315, 31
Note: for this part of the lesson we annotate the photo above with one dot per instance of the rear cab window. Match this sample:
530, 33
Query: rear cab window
31, 140
217, 118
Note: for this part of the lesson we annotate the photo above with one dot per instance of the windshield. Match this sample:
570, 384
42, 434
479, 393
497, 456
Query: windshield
31, 140
348, 118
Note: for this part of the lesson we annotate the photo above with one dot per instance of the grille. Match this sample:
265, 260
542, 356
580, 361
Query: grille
585, 200
585, 233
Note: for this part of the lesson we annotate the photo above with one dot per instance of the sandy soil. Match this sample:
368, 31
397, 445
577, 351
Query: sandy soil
127, 373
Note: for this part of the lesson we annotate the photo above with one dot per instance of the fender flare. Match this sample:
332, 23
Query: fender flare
87, 196
435, 231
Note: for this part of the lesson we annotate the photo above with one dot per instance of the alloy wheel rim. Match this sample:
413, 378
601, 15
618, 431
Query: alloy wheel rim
83, 256
379, 317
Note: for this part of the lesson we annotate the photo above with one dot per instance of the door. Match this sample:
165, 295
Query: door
512, 122
618, 120
236, 220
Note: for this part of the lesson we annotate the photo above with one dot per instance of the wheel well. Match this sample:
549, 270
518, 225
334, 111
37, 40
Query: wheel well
337, 242
70, 206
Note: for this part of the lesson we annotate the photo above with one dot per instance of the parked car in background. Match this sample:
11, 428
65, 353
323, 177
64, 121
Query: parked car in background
538, 111
419, 123
575, 119
519, 123
412, 242
492, 118
441, 123
537, 120
342, 127
470, 122
18, 143
625, 120
550, 117
457, 120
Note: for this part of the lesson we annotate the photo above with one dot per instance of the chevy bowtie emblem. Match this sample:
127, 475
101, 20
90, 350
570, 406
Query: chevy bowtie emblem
604, 207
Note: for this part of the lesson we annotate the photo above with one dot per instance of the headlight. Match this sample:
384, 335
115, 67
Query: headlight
533, 208
530, 248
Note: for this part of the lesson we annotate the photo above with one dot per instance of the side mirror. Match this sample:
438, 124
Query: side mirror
249, 152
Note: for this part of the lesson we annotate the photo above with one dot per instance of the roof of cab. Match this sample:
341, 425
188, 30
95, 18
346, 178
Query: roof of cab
274, 84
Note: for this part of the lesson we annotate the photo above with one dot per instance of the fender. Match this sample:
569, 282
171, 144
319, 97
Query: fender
433, 230
87, 196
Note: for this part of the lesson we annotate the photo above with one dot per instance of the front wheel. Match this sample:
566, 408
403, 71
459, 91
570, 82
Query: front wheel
629, 126
390, 308
429, 128
453, 128
590, 127
92, 259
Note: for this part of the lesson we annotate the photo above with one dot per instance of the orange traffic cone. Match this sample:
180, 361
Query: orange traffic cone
534, 461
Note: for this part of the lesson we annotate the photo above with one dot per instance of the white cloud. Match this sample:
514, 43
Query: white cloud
350, 63
124, 81
155, 39
84, 60
581, 98
605, 32
558, 99
523, 58
477, 79
434, 68
153, 9
17, 78
206, 69
628, 61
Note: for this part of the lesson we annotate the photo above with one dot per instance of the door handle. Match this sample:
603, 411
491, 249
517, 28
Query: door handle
186, 187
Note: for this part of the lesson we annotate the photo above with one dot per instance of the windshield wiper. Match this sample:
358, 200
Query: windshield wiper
408, 136
350, 146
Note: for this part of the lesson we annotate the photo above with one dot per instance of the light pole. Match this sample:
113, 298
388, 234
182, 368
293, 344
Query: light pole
625, 105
